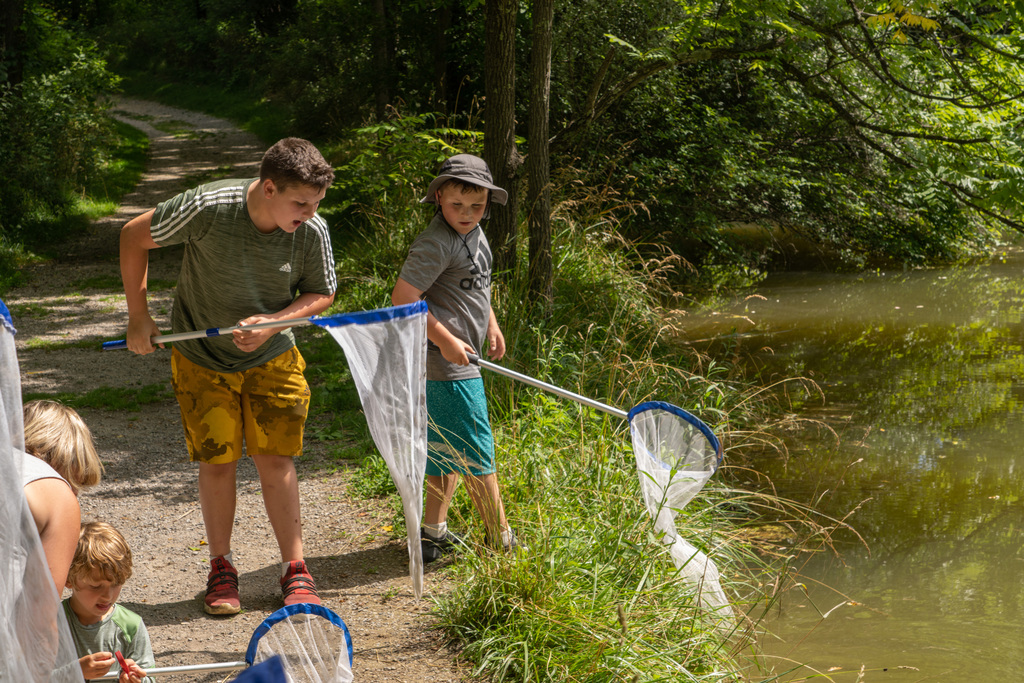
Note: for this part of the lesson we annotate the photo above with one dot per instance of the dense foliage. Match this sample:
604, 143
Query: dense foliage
878, 129
53, 125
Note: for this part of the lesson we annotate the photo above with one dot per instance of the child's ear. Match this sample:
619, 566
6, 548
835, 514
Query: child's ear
67, 584
269, 188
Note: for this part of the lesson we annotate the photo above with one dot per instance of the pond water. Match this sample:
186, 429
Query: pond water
923, 381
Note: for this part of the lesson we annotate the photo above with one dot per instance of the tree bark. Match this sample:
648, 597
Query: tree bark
500, 151
538, 170
12, 41
382, 94
441, 26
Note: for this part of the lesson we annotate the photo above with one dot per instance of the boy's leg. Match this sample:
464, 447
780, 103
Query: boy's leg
217, 501
486, 496
275, 402
438, 496
280, 485
212, 417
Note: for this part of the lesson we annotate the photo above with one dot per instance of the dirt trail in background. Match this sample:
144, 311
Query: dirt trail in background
149, 490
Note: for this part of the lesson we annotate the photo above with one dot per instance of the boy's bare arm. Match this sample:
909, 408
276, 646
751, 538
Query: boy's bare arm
452, 348
495, 339
305, 305
136, 242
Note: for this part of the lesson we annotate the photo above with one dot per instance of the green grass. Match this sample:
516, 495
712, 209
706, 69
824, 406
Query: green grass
101, 196
120, 174
109, 398
39, 344
98, 282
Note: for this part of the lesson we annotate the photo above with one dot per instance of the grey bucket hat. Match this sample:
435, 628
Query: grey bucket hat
468, 169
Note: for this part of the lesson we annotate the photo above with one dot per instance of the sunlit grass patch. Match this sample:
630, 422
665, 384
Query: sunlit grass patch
109, 398
48, 344
97, 282
28, 310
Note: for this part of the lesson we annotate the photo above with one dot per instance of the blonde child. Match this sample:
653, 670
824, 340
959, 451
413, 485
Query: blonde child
100, 627
65, 461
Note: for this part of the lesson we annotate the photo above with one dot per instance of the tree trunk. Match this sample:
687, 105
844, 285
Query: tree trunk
12, 41
382, 94
500, 127
441, 26
538, 173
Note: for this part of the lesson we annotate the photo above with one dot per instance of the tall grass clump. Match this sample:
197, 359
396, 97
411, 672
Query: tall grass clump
595, 596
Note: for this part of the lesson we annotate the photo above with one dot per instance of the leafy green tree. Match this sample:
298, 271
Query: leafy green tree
53, 126
899, 118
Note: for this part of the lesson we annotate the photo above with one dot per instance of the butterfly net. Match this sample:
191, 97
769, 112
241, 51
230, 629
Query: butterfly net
312, 643
386, 352
35, 641
676, 454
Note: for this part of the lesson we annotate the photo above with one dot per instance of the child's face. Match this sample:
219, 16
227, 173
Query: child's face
93, 596
292, 206
462, 210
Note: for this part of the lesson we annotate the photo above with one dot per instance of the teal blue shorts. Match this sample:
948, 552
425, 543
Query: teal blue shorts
459, 435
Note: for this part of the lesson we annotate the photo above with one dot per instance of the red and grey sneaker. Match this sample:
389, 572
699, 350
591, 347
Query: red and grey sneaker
222, 588
297, 584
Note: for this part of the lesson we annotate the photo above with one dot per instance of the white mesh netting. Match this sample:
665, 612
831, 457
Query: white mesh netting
676, 456
312, 641
386, 352
35, 641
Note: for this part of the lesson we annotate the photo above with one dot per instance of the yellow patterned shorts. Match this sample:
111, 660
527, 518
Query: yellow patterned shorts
266, 404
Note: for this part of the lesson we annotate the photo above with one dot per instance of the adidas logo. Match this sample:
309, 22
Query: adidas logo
286, 268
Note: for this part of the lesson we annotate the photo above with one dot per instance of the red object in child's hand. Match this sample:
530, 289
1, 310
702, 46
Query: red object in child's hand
122, 663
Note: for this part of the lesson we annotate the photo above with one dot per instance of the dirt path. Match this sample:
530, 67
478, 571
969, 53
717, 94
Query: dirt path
149, 491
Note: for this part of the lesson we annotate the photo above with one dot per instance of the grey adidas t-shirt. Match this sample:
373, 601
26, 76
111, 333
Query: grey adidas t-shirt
441, 264
230, 270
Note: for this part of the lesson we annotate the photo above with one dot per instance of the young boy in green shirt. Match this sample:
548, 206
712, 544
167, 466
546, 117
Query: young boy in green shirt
99, 626
256, 251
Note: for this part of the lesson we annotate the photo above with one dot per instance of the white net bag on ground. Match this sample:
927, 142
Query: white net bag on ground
35, 641
676, 454
386, 352
312, 641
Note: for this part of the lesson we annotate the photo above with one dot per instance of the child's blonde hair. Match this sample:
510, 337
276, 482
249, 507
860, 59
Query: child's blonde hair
101, 550
58, 435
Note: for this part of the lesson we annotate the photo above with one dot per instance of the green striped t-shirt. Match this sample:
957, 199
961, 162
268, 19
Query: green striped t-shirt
230, 270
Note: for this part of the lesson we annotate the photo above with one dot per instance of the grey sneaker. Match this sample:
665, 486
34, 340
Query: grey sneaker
436, 548
513, 546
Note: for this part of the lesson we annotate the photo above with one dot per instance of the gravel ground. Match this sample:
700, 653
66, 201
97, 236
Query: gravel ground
149, 491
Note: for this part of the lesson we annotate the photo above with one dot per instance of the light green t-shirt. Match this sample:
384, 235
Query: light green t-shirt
230, 270
122, 631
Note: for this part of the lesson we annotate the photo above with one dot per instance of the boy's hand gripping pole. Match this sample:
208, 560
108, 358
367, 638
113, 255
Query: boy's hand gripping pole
211, 332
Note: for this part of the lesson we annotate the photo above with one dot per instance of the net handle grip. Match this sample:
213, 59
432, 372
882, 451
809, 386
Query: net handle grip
564, 393
210, 332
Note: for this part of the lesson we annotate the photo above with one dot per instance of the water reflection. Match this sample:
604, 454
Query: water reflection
928, 368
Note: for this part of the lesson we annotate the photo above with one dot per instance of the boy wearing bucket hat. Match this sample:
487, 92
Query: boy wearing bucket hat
449, 266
